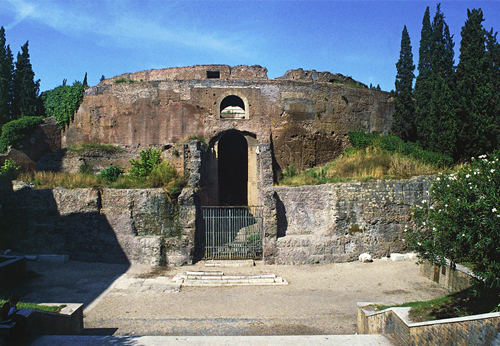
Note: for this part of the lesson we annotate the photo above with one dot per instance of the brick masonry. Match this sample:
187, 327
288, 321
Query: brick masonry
463, 331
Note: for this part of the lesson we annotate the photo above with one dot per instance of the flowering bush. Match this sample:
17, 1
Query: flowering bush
461, 219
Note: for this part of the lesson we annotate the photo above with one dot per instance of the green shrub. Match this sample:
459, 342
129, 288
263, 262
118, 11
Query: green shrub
112, 173
148, 159
63, 102
15, 130
124, 80
9, 169
461, 220
290, 171
394, 144
361, 140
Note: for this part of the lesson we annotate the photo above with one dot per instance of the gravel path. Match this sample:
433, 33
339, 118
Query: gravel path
320, 299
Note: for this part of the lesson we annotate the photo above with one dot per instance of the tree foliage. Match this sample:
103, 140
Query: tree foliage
26, 88
6, 75
404, 122
461, 220
148, 160
63, 101
476, 90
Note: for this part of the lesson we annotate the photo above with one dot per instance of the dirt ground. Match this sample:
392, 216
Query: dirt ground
320, 299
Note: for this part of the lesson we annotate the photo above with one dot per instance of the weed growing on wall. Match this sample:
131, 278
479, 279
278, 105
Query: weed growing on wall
461, 220
148, 159
112, 173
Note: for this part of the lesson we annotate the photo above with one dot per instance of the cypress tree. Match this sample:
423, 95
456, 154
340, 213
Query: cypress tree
26, 89
493, 72
477, 90
6, 75
422, 93
441, 117
404, 122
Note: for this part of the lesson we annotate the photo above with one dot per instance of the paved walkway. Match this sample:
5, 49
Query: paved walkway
287, 340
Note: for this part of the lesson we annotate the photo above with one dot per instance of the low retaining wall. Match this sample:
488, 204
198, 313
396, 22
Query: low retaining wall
102, 225
471, 330
453, 279
69, 321
338, 222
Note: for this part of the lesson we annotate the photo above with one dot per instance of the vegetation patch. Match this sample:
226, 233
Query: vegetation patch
372, 157
124, 80
468, 302
107, 148
63, 102
149, 171
24, 305
15, 130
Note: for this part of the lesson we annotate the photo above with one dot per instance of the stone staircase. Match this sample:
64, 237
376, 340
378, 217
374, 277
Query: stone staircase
217, 278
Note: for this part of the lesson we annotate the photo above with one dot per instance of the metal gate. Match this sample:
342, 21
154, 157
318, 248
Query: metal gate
232, 232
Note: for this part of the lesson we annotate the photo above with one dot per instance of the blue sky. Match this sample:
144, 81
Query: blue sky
356, 38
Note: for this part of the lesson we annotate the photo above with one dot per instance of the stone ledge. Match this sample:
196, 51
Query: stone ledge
480, 329
67, 322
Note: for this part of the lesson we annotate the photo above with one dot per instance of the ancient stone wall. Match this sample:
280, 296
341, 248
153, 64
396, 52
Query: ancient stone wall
338, 222
106, 225
304, 115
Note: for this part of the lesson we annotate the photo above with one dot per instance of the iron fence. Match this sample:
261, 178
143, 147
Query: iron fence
231, 232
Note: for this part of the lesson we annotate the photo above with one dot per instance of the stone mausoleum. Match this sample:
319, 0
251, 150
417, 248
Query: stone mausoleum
232, 130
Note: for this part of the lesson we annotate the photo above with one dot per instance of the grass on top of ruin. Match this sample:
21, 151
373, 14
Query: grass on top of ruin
51, 180
365, 164
25, 305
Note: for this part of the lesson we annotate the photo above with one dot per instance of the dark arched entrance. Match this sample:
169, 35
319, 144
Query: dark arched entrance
233, 169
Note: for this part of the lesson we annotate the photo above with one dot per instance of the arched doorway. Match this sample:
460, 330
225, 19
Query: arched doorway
233, 169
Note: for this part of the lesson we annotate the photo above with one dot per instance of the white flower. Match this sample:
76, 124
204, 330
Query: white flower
438, 178
492, 171
463, 234
423, 223
467, 176
494, 210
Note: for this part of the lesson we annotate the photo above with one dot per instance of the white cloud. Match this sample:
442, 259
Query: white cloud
114, 22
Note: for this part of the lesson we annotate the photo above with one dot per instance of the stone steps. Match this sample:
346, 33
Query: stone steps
217, 278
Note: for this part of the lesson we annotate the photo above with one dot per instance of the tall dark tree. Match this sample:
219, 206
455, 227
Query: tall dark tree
85, 83
423, 83
404, 115
442, 116
6, 75
478, 126
493, 68
26, 89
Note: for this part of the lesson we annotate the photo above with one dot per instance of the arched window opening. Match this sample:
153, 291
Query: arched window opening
232, 107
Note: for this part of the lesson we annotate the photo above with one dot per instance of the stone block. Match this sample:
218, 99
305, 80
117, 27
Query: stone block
396, 257
365, 257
